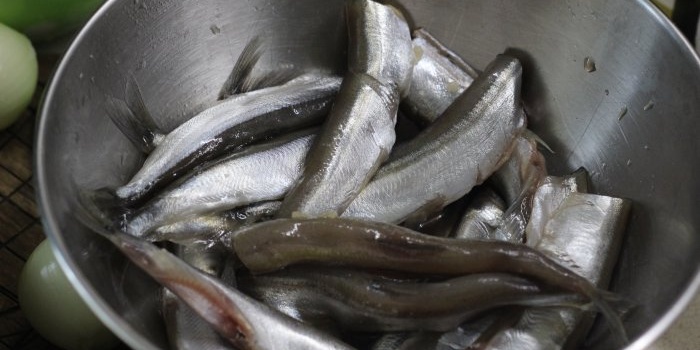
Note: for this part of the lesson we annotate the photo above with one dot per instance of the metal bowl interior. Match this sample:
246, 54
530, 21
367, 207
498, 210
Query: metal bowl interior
181, 51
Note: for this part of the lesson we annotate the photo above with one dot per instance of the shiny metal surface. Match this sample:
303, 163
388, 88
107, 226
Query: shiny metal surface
181, 52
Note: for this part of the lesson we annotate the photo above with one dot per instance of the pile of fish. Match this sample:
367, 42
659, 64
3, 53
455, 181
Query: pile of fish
287, 216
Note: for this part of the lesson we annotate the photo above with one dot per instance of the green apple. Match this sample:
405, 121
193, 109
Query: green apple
18, 74
46, 19
55, 309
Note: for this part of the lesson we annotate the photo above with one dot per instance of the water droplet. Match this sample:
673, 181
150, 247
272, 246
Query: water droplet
649, 105
622, 114
215, 29
589, 65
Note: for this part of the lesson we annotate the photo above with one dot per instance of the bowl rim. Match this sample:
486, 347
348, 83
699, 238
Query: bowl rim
122, 329
94, 300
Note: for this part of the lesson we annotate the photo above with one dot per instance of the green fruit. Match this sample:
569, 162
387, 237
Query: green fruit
18, 74
55, 309
46, 19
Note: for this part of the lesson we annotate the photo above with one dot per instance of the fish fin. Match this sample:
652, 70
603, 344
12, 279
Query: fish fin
529, 134
100, 208
239, 79
269, 79
135, 129
134, 99
608, 304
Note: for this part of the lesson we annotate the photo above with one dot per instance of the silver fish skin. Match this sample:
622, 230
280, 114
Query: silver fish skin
439, 77
185, 329
355, 139
213, 227
237, 121
517, 180
244, 322
584, 231
549, 196
379, 43
482, 217
460, 150
259, 173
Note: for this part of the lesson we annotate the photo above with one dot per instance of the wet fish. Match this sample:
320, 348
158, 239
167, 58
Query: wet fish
355, 139
237, 121
549, 196
379, 43
273, 245
359, 131
584, 232
244, 322
212, 227
135, 121
365, 302
184, 327
482, 217
459, 150
228, 183
439, 77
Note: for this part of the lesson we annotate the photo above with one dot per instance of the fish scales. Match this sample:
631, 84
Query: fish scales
228, 183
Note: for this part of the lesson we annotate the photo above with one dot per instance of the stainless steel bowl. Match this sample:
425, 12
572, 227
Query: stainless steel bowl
180, 52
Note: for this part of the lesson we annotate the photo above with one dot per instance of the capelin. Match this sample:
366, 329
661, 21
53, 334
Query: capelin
379, 43
439, 77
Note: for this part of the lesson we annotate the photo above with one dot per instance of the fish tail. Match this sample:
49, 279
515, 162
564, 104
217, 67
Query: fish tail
240, 78
529, 134
134, 125
100, 210
604, 301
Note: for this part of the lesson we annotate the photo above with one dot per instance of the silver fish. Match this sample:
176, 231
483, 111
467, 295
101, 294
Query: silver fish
459, 150
237, 121
186, 330
482, 217
584, 232
135, 121
355, 139
359, 131
439, 77
379, 42
212, 227
365, 302
259, 173
244, 322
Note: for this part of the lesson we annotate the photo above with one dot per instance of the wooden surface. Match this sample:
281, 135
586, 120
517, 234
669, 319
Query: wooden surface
20, 228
